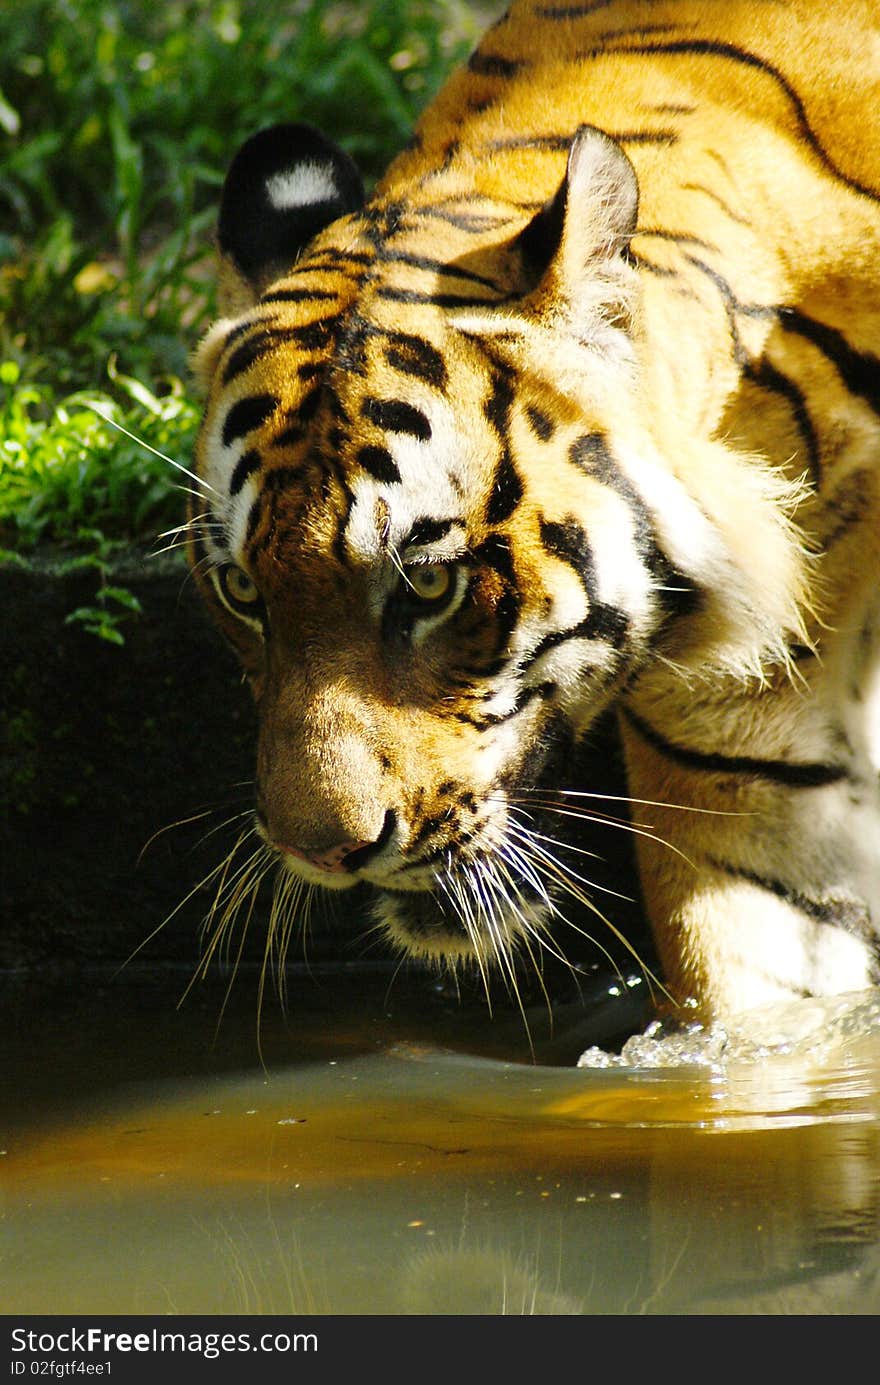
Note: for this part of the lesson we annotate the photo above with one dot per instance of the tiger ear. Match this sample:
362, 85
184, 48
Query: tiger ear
575, 250
284, 185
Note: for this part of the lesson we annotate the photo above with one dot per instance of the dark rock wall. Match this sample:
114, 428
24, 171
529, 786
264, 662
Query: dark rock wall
103, 747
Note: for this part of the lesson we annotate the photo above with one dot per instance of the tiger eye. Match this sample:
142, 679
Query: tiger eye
237, 586
430, 582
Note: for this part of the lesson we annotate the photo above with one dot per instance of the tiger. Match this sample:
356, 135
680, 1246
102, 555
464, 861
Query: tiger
575, 416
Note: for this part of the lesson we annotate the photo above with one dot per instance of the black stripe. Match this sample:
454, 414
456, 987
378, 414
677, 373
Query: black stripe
768, 377
495, 553
298, 296
249, 413
492, 65
849, 504
478, 105
639, 31
331, 258
396, 416
524, 697
392, 294
555, 141
672, 107
293, 433
792, 774
507, 487
708, 192
860, 371
250, 351
379, 462
309, 404
414, 356
605, 623
677, 237
542, 426
564, 140
452, 271
848, 914
247, 464
544, 691
568, 541
253, 519
507, 491
239, 330
499, 402
665, 137
661, 271
760, 311
310, 336
448, 152
428, 530
714, 48
464, 221
571, 11
675, 590
280, 478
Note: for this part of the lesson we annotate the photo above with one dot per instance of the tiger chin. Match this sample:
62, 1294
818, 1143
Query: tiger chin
577, 415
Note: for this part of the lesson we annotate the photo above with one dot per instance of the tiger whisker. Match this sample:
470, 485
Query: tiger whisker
451, 885
627, 798
199, 480
229, 894
487, 907
588, 814
285, 912
170, 827
397, 564
532, 928
227, 822
520, 859
182, 542
260, 868
205, 880
533, 836
493, 887
567, 879
638, 831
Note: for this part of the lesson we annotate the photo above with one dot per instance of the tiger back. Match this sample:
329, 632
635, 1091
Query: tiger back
578, 413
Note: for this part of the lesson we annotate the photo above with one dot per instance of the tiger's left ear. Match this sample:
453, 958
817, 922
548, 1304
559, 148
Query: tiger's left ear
575, 250
284, 185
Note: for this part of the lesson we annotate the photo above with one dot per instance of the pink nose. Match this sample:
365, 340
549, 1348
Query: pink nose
332, 860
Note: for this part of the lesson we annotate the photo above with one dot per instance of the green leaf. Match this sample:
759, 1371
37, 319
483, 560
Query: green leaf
122, 596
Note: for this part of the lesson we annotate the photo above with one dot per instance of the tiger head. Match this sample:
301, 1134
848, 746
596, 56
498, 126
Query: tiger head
433, 522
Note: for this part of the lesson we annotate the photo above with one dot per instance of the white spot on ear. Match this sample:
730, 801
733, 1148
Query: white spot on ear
301, 186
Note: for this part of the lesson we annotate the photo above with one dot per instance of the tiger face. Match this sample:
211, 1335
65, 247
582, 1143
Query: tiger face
423, 552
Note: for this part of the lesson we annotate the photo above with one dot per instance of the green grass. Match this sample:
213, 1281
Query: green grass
117, 122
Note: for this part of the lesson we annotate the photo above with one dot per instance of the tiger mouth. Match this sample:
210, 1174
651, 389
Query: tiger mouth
417, 877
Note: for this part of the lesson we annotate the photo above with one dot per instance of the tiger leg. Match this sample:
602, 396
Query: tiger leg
758, 889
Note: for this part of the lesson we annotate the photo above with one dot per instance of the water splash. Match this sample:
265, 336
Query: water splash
814, 1031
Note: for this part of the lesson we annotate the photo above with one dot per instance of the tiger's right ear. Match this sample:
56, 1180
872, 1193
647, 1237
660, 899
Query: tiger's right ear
284, 185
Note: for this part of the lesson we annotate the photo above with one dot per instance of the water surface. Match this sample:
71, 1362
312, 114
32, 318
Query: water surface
395, 1152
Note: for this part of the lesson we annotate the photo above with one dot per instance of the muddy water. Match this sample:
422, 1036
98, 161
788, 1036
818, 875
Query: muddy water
395, 1153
